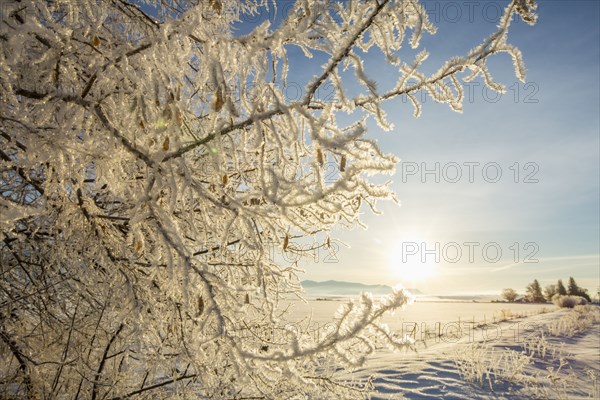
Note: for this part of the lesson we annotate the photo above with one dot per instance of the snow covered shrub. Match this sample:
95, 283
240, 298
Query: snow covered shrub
568, 301
149, 163
486, 366
576, 320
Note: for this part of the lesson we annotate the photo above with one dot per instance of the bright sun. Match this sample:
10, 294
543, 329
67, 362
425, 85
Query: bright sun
413, 259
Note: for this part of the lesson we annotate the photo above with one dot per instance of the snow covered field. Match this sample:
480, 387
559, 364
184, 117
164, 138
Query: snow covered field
496, 351
428, 312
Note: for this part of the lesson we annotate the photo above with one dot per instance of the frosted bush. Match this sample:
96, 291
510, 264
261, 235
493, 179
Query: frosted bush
576, 320
568, 301
149, 164
485, 365
492, 367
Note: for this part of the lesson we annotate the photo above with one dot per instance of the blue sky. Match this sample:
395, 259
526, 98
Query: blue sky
546, 129
543, 136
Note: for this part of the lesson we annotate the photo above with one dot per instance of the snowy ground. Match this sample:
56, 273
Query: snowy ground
552, 355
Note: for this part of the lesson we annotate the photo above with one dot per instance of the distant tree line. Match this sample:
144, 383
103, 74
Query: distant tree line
535, 294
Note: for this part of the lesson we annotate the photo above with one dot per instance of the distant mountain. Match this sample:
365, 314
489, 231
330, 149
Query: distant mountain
468, 297
341, 289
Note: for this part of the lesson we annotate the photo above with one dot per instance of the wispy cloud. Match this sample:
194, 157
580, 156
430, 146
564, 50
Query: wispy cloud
580, 260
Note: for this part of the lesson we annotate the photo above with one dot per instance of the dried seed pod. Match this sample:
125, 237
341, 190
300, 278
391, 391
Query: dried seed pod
138, 246
219, 100
216, 5
178, 117
165, 144
320, 157
286, 241
200, 306
343, 164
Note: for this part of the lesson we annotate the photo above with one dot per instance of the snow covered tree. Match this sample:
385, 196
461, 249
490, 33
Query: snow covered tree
534, 292
560, 287
575, 290
572, 288
149, 161
550, 291
509, 294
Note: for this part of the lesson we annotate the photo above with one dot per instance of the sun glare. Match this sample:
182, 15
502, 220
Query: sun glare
413, 259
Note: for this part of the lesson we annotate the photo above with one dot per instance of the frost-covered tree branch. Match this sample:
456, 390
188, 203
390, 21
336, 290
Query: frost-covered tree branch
150, 162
